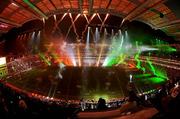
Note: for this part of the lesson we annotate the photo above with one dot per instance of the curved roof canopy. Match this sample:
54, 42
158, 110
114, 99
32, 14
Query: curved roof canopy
160, 14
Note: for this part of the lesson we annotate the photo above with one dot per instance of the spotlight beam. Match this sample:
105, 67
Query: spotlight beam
99, 17
73, 21
87, 40
115, 54
86, 18
58, 22
88, 22
31, 42
22, 39
79, 56
107, 15
96, 35
87, 48
38, 39
100, 54
92, 34
72, 25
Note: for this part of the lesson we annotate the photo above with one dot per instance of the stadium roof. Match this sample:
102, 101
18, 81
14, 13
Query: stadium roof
159, 14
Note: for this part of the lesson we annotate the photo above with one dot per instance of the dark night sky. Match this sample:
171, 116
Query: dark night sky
174, 5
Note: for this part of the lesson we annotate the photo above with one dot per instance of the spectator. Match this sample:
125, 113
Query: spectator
3, 107
83, 105
132, 100
101, 104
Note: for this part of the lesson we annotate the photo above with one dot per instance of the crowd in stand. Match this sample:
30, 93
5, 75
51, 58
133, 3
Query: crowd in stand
22, 63
17, 104
167, 100
13, 103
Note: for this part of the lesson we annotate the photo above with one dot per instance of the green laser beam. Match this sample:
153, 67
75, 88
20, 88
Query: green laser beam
35, 8
42, 56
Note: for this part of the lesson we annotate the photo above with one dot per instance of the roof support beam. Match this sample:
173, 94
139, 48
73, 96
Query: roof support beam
148, 23
142, 9
70, 4
9, 22
1, 31
139, 8
37, 10
80, 5
90, 6
150, 9
53, 4
25, 9
168, 24
109, 3
62, 4
176, 33
4, 4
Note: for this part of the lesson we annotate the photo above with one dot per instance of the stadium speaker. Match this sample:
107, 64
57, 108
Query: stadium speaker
161, 15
